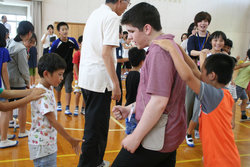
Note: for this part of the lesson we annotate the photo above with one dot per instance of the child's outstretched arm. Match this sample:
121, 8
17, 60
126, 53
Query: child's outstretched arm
31, 94
190, 63
73, 141
181, 66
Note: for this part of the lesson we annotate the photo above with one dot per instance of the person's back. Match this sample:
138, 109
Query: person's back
18, 66
97, 25
219, 148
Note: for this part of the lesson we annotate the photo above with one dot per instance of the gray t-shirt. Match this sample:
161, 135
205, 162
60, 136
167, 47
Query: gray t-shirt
210, 97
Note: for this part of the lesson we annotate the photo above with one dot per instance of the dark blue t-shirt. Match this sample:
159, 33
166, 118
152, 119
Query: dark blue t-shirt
4, 57
32, 57
65, 50
195, 43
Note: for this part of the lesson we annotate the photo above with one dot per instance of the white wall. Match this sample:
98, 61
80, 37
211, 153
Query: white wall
230, 16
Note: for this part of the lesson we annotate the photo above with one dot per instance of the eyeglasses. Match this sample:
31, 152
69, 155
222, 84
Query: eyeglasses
128, 1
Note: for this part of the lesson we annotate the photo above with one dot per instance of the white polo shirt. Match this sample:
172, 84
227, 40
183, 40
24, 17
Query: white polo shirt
102, 28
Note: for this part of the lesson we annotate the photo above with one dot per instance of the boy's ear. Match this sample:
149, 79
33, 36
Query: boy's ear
147, 29
45, 73
212, 76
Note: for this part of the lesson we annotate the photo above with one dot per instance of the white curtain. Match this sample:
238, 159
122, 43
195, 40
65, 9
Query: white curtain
36, 13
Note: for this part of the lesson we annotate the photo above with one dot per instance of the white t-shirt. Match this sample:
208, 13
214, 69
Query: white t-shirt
47, 40
8, 26
102, 28
42, 136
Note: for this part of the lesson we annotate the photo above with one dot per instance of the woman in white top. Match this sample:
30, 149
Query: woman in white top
48, 38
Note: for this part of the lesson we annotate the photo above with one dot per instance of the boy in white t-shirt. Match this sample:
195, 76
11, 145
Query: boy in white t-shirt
43, 133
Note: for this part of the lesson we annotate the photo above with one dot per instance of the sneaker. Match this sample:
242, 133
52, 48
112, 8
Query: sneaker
59, 107
189, 140
196, 134
10, 137
104, 164
67, 112
8, 143
11, 125
244, 118
23, 135
83, 111
76, 112
248, 106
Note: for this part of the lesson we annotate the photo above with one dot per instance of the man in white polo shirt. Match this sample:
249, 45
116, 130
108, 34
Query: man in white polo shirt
98, 79
4, 22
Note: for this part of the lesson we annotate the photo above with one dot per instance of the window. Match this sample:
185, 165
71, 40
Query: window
14, 20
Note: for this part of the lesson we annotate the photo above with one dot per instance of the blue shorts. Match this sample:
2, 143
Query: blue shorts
48, 161
241, 93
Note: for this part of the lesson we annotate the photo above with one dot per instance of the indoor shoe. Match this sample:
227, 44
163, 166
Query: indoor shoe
67, 112
244, 118
190, 141
196, 134
23, 135
104, 164
8, 143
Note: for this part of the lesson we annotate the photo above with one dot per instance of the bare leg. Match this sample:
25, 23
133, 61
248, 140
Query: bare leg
243, 105
191, 127
68, 98
58, 96
77, 98
22, 116
4, 124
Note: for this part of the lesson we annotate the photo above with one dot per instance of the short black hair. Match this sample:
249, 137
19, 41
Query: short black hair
80, 39
202, 16
183, 35
248, 53
218, 34
140, 15
50, 62
125, 32
136, 55
111, 1
50, 26
33, 37
23, 28
229, 43
3, 16
190, 29
222, 65
2, 36
61, 24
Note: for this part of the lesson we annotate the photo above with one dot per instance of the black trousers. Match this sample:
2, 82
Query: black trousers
97, 114
144, 158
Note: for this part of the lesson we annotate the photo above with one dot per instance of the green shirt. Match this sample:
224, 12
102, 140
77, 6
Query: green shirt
243, 77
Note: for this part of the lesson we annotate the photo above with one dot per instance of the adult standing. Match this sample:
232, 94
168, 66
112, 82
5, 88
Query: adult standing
161, 94
4, 22
48, 38
197, 44
98, 79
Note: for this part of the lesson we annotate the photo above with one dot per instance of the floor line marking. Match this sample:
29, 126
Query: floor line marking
243, 125
76, 129
117, 122
112, 151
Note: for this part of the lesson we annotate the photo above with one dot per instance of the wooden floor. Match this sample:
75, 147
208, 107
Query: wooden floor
186, 156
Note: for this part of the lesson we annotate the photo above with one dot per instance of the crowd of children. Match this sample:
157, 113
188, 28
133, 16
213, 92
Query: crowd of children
203, 62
